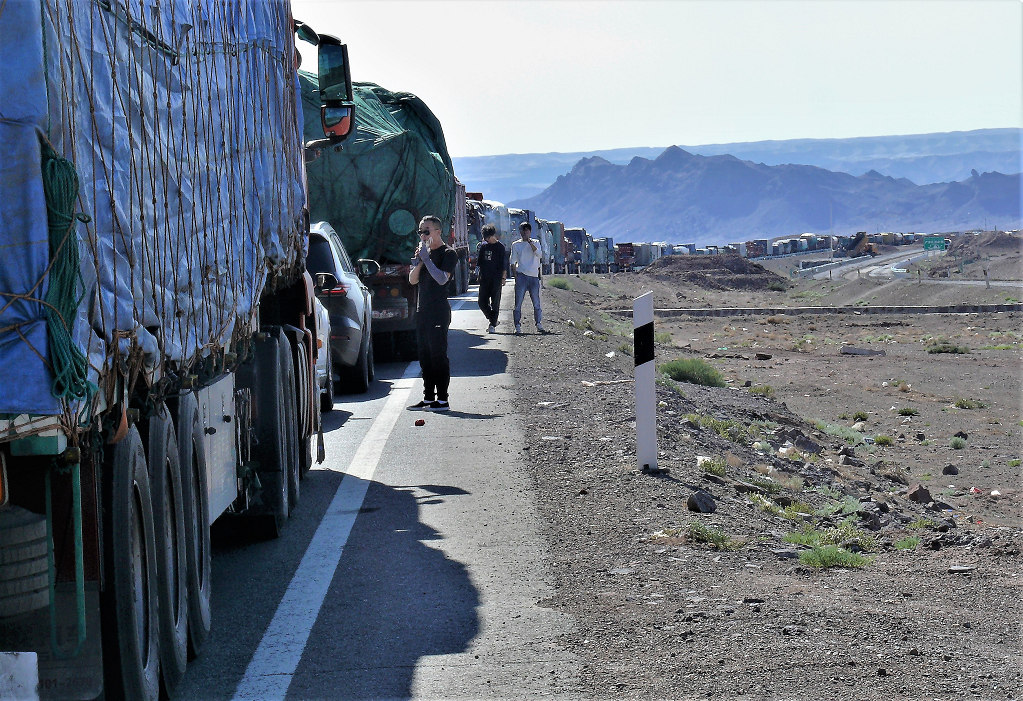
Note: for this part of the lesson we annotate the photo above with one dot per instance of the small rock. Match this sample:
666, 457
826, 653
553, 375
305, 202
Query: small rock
919, 494
848, 450
786, 554
859, 426
793, 630
870, 519
961, 569
763, 356
746, 487
747, 383
961, 434
950, 470
882, 672
701, 502
920, 436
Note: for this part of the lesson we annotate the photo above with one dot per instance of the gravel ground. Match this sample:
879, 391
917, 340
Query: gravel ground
699, 582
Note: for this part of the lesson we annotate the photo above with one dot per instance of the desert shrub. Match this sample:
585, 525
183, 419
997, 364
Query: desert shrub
845, 533
696, 371
884, 441
664, 337
777, 286
957, 443
831, 556
559, 282
844, 432
908, 543
860, 416
947, 347
908, 411
777, 320
1015, 462
715, 467
728, 428
762, 390
663, 381
962, 403
719, 540
625, 348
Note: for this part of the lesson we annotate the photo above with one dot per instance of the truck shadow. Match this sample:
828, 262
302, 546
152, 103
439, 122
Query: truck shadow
396, 598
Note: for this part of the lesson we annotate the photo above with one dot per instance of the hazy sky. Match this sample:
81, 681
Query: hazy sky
528, 76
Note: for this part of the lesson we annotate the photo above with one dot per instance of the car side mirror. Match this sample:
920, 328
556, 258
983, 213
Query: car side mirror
325, 281
337, 106
368, 268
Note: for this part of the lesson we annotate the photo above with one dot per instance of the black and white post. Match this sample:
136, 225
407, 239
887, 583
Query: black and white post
646, 397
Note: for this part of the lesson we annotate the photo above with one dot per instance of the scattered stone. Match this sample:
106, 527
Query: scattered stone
870, 519
701, 502
746, 488
961, 434
763, 356
786, 554
961, 569
919, 494
851, 462
950, 470
920, 436
848, 451
806, 445
747, 383
793, 630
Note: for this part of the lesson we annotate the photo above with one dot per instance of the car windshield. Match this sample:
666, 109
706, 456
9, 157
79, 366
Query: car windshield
319, 259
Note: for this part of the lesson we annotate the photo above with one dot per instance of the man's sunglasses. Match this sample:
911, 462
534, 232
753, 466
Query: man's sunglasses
424, 233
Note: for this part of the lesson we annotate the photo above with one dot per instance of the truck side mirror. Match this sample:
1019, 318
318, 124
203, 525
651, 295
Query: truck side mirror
337, 108
325, 281
367, 267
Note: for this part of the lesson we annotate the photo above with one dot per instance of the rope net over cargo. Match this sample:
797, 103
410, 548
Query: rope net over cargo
180, 122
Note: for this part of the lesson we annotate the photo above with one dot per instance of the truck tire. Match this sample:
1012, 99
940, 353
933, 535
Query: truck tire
327, 397
171, 558
192, 463
130, 622
24, 568
293, 420
270, 449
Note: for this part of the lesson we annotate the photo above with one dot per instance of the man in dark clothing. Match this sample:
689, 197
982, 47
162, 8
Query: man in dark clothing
432, 267
490, 257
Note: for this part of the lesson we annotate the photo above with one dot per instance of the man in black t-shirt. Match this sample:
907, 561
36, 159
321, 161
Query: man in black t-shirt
432, 267
492, 262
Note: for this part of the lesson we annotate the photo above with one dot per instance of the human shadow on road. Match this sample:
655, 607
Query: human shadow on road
394, 600
470, 356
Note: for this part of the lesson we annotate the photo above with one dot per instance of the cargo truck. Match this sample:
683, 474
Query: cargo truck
156, 329
393, 170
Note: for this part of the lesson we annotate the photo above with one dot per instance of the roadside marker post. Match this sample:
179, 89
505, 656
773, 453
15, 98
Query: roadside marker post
646, 397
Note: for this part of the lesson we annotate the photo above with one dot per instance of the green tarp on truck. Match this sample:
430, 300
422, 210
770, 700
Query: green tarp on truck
393, 170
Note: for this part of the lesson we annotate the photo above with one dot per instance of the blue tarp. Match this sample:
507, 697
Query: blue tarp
181, 119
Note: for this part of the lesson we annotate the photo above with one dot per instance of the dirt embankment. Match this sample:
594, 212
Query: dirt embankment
830, 525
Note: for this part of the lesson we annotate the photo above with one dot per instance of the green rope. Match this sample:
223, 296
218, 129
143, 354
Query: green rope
70, 365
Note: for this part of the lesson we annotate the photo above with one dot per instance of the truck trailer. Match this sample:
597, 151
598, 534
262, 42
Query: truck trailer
394, 169
157, 333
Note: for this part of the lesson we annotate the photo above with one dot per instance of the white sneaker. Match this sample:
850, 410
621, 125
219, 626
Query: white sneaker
491, 329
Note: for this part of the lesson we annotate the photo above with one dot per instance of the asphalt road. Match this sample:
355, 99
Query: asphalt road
413, 566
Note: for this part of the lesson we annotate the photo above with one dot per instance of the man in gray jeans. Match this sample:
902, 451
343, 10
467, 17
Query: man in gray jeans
525, 261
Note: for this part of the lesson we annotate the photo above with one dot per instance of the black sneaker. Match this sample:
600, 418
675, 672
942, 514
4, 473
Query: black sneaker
425, 404
439, 406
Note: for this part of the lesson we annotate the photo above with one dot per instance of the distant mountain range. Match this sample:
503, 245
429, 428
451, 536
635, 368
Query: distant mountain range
683, 197
920, 158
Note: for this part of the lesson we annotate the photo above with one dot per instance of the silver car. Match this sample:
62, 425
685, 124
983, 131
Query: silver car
349, 305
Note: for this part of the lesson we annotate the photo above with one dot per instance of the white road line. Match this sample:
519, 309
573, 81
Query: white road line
274, 662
